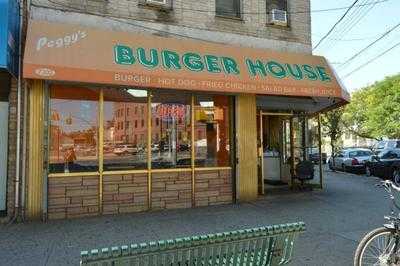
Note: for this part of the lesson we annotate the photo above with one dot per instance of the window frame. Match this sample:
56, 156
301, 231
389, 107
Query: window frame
148, 135
239, 15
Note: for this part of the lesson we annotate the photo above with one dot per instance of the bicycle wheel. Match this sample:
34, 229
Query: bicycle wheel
376, 248
396, 177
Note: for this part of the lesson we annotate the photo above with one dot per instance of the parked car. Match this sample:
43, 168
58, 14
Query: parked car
386, 144
314, 156
350, 159
385, 165
125, 149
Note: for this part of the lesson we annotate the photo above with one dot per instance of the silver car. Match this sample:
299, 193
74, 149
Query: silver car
350, 159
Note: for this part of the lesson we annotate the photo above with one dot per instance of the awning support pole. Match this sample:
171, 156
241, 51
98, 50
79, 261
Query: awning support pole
292, 160
320, 150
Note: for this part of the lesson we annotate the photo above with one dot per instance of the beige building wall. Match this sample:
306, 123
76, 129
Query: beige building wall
187, 18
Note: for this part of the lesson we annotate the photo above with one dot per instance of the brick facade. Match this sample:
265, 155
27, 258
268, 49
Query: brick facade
125, 193
70, 197
171, 190
191, 18
213, 187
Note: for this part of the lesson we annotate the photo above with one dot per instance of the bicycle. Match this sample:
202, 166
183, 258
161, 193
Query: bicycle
381, 246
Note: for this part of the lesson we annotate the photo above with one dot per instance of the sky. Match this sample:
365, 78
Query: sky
370, 21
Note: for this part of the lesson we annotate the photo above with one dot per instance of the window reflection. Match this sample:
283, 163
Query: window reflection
212, 131
171, 117
73, 129
124, 143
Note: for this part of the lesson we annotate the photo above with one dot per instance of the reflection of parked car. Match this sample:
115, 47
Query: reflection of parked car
350, 159
125, 149
155, 147
386, 144
314, 156
385, 165
184, 147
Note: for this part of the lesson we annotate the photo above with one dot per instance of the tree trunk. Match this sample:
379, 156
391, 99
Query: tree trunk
333, 155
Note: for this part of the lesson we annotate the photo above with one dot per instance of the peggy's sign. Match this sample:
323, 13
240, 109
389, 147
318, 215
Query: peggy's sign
80, 54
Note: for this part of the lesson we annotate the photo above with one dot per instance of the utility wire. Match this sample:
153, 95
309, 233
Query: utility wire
372, 60
341, 28
262, 13
369, 45
334, 26
353, 22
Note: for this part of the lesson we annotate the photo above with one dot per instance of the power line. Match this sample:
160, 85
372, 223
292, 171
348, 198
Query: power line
334, 26
262, 13
353, 22
370, 45
341, 28
371, 60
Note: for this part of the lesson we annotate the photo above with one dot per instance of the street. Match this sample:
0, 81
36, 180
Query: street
336, 219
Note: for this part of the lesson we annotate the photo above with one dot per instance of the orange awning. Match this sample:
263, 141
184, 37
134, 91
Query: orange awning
76, 53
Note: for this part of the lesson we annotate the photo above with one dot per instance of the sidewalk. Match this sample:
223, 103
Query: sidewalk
336, 219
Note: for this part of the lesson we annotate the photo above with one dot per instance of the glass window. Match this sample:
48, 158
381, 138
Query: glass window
122, 149
359, 153
73, 129
168, 151
212, 126
230, 8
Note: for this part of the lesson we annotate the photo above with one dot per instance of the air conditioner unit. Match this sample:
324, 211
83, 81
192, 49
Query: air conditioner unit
278, 17
159, 2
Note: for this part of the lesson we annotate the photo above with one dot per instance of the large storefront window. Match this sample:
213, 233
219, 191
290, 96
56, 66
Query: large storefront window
171, 126
125, 129
73, 129
212, 131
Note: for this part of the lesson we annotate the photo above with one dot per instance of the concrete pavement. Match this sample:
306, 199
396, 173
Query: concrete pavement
336, 219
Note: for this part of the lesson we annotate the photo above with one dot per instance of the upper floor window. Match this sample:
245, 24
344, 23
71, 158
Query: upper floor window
228, 8
277, 12
161, 4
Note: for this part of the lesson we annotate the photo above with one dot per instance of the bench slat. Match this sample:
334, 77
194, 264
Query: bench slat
271, 245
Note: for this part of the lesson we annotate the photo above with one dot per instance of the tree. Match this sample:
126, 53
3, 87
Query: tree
374, 111
355, 117
332, 127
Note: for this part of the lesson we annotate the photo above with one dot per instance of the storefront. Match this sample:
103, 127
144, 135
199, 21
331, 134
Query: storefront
9, 44
124, 122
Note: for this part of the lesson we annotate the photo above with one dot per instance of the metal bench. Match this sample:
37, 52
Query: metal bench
270, 245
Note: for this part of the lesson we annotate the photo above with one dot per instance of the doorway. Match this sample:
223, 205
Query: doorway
274, 150
284, 141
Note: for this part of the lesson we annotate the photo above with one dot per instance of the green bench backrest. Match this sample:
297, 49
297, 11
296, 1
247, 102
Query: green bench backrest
270, 245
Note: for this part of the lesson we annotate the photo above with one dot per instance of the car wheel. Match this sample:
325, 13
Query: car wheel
396, 177
344, 168
368, 171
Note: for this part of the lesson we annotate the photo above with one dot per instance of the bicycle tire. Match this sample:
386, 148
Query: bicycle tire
366, 240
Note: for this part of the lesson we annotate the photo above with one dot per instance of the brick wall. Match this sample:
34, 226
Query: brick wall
188, 18
12, 146
70, 197
171, 190
213, 187
125, 193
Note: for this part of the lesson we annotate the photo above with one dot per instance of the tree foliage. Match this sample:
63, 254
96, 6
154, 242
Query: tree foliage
374, 111
332, 126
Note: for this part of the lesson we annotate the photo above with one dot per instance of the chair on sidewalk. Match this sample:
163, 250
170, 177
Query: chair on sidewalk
304, 171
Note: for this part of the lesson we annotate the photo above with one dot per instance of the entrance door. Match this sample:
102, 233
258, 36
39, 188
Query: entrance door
3, 153
274, 149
